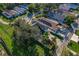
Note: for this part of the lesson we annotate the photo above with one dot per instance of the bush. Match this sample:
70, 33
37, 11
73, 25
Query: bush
77, 32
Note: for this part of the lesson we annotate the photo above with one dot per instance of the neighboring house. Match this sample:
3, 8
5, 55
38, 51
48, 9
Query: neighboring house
7, 13
57, 16
64, 32
73, 6
67, 7
16, 11
64, 7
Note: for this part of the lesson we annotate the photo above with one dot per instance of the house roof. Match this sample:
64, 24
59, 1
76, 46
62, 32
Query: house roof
16, 11
75, 25
24, 6
53, 24
73, 6
77, 21
19, 10
66, 7
74, 38
7, 13
59, 17
63, 32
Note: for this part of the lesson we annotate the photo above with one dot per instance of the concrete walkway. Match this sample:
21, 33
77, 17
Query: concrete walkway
74, 53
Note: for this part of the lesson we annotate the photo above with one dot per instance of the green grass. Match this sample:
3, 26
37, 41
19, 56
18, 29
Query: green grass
45, 35
77, 32
39, 50
1, 46
6, 34
74, 46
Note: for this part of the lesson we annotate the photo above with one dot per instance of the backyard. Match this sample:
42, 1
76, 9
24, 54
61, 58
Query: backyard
6, 34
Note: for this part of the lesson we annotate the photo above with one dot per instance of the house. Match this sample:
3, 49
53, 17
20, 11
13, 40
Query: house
19, 10
24, 6
73, 6
13, 13
9, 13
46, 24
64, 7
64, 32
6, 14
53, 26
67, 7
16, 11
57, 16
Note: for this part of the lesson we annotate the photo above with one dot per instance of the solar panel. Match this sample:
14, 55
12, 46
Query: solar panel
45, 22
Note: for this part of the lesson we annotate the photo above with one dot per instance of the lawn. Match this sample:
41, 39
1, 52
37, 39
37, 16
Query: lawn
6, 32
74, 46
1, 46
77, 32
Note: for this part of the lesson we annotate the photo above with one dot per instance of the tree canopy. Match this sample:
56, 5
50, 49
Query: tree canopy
25, 37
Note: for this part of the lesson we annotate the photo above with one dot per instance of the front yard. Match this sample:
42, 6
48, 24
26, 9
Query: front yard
74, 46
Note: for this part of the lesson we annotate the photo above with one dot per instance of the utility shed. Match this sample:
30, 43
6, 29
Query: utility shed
75, 38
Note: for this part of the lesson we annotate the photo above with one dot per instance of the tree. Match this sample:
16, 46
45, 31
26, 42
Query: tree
25, 37
69, 19
31, 8
4, 6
